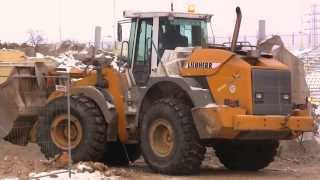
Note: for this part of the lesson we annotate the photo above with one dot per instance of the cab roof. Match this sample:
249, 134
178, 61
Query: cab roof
136, 14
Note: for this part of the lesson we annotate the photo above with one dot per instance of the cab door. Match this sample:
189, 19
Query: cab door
143, 50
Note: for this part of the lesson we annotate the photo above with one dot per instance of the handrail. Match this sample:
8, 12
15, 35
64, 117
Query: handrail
158, 57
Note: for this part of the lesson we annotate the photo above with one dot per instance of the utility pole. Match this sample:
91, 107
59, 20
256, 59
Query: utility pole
60, 19
97, 37
171, 6
261, 31
314, 25
114, 24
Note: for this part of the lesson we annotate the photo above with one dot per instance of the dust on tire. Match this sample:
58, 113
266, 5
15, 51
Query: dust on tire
188, 153
92, 145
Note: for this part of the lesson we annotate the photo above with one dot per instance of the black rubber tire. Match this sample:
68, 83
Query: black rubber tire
188, 152
119, 154
93, 143
246, 155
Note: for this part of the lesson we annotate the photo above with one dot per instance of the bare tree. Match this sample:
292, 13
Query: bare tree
35, 38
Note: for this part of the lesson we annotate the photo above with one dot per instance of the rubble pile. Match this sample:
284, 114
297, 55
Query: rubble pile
311, 61
80, 60
28, 162
301, 152
48, 49
92, 167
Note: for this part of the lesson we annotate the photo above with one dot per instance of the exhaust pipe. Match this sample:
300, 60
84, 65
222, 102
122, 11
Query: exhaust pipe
236, 29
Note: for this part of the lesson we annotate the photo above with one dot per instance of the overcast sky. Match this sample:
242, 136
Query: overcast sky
79, 17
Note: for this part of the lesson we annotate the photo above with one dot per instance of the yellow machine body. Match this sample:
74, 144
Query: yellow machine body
116, 87
230, 77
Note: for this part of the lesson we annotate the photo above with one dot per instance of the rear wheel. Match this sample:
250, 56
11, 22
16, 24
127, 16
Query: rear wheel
169, 141
87, 130
246, 155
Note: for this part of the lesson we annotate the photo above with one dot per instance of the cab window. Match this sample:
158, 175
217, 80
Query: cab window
182, 33
143, 52
131, 39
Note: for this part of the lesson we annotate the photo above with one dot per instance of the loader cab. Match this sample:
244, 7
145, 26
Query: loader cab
153, 33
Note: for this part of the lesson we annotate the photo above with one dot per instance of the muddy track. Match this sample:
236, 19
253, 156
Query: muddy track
293, 162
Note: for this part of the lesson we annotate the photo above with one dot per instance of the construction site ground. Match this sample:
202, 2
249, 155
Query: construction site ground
294, 161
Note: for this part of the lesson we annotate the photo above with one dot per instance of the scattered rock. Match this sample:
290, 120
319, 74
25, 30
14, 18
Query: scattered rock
100, 166
20, 160
85, 167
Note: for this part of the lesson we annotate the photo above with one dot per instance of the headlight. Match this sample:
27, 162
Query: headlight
259, 96
285, 97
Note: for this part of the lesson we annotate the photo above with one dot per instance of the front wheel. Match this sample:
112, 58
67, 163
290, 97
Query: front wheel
246, 155
169, 141
87, 129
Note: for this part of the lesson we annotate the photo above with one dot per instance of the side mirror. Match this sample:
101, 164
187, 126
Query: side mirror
119, 32
124, 58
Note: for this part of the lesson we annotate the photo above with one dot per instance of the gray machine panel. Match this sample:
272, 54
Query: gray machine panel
273, 84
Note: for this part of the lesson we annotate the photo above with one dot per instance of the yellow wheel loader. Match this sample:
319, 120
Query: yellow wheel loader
172, 96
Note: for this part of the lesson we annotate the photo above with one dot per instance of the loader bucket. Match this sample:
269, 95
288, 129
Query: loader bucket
19, 96
8, 108
23, 92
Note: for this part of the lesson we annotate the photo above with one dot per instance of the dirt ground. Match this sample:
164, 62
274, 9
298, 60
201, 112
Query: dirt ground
294, 161
20, 161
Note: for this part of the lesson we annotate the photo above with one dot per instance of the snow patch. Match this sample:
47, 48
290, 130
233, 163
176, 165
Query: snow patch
198, 89
64, 175
175, 76
81, 171
212, 105
68, 61
39, 55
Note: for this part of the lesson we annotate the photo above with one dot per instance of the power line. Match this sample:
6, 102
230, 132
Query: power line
314, 25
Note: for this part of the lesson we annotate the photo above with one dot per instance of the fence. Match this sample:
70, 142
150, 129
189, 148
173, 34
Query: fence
291, 41
26, 119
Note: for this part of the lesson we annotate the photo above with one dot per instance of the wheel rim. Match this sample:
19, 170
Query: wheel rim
59, 131
161, 137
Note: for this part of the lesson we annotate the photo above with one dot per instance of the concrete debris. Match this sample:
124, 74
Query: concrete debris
275, 46
60, 161
92, 167
80, 60
84, 170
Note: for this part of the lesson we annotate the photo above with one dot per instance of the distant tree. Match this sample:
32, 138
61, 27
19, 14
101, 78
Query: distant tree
35, 38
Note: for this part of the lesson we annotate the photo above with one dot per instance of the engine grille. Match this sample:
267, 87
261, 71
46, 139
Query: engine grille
273, 84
